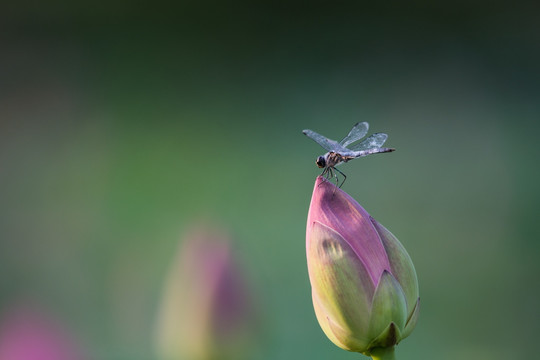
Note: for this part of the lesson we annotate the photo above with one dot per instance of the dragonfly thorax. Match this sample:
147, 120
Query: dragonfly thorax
330, 159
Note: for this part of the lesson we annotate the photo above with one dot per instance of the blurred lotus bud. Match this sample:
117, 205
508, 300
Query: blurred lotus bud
364, 286
26, 334
206, 312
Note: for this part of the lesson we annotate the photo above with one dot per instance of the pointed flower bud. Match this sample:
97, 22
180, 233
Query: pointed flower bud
27, 333
364, 286
207, 312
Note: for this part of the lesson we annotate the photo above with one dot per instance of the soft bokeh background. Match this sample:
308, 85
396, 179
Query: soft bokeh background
121, 123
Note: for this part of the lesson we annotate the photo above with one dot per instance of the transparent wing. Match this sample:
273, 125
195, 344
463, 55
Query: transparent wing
328, 144
374, 141
358, 131
375, 150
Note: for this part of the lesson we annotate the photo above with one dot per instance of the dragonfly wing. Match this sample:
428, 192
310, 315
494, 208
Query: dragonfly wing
358, 131
375, 150
374, 141
328, 144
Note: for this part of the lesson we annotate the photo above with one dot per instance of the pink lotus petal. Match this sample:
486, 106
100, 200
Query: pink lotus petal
334, 208
26, 334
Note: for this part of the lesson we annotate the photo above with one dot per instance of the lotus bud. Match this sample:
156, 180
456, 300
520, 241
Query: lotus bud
29, 334
364, 286
206, 312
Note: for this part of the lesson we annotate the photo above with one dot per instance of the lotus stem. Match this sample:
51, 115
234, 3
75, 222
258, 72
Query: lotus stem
383, 353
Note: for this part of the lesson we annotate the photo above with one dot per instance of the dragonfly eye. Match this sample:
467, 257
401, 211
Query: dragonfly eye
321, 162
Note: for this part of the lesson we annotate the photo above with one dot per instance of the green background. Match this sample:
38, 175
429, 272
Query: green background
123, 123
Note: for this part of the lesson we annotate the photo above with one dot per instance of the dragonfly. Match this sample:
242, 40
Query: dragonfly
346, 149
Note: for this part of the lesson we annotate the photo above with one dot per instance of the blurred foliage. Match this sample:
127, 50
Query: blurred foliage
122, 123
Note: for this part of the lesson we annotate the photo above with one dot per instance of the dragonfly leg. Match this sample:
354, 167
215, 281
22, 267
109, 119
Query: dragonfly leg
333, 174
344, 177
325, 174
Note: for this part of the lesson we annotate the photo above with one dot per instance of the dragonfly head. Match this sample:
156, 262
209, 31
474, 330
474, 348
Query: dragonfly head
321, 161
